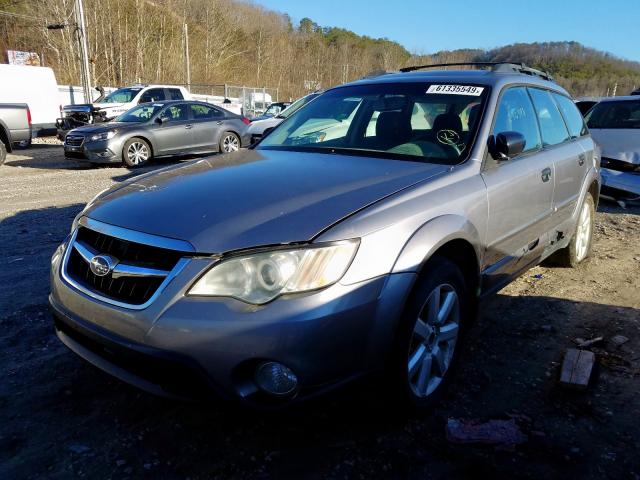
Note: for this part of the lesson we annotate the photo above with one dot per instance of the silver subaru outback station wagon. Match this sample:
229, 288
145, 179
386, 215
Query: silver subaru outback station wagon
357, 237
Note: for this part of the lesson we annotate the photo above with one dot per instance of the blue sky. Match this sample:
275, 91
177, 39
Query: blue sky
426, 26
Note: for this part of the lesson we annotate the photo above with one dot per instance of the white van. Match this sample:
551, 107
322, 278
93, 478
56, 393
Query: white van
37, 87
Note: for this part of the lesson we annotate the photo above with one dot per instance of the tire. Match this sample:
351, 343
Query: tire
579, 247
229, 142
136, 152
3, 152
429, 335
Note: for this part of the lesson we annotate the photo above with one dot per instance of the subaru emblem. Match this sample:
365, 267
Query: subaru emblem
102, 265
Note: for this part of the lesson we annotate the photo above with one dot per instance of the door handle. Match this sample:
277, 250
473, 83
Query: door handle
188, 126
581, 158
546, 174
219, 122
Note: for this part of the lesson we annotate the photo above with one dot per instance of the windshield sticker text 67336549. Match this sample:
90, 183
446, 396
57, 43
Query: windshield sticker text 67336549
456, 90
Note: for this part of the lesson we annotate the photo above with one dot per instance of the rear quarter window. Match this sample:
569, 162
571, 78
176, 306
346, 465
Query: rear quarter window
572, 116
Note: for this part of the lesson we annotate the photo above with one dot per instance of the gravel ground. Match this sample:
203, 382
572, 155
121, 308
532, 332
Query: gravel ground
62, 418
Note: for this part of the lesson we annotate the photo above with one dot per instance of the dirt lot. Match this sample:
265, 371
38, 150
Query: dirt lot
62, 418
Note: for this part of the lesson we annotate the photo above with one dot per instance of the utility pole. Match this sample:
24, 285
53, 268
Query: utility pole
187, 65
81, 32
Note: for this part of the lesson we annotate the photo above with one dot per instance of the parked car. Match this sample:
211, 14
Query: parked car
585, 104
15, 126
615, 126
274, 109
158, 129
258, 127
293, 267
107, 107
37, 87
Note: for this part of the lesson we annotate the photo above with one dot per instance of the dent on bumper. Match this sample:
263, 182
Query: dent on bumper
626, 181
324, 337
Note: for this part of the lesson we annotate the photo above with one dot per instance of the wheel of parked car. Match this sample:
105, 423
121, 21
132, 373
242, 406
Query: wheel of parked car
426, 350
229, 142
579, 247
136, 152
3, 153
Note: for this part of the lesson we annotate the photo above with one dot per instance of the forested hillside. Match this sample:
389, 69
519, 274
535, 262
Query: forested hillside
244, 44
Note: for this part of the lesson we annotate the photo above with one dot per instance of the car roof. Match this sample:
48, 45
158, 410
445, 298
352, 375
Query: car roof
480, 77
621, 98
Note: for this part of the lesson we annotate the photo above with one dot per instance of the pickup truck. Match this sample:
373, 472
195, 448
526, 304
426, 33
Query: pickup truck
15, 126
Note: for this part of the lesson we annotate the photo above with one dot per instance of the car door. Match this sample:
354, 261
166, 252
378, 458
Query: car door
572, 162
519, 193
174, 134
208, 125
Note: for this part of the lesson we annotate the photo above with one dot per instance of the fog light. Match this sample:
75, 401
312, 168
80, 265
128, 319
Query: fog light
276, 379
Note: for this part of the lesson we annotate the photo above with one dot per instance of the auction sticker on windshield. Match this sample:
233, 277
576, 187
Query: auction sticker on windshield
456, 90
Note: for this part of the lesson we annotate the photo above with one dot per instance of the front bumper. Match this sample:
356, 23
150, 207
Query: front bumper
188, 346
617, 183
107, 151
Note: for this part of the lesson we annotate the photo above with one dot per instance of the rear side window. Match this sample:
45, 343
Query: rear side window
552, 126
203, 112
175, 94
572, 115
152, 95
516, 114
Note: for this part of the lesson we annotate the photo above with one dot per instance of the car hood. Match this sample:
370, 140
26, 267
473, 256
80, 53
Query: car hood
254, 197
259, 126
104, 127
618, 144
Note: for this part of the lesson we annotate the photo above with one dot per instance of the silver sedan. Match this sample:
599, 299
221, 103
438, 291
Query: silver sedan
159, 129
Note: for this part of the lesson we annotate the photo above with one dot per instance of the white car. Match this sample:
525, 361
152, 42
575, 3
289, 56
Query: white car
258, 128
126, 98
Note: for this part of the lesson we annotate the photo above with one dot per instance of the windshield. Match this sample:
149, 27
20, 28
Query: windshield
297, 105
616, 114
414, 121
273, 110
140, 114
122, 95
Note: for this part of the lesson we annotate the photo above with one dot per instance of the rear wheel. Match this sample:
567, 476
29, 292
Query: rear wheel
136, 152
579, 247
429, 335
229, 142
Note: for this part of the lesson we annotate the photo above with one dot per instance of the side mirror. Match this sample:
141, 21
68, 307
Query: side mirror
160, 120
506, 145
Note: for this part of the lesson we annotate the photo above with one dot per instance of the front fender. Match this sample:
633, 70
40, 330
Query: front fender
431, 236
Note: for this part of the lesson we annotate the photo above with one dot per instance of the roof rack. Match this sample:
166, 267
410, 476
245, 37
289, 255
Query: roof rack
495, 67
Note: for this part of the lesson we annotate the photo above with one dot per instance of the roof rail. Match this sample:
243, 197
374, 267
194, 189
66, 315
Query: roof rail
495, 67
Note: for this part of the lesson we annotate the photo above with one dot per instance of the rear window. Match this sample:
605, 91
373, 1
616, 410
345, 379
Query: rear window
618, 114
175, 94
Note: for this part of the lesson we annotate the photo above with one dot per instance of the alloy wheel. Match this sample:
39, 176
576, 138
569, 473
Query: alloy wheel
583, 232
230, 144
137, 153
433, 340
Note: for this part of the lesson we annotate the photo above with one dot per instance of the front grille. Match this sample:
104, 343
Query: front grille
74, 140
619, 165
134, 290
70, 154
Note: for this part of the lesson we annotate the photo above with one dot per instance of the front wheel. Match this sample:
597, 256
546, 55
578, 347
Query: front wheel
429, 334
579, 247
136, 152
3, 152
229, 142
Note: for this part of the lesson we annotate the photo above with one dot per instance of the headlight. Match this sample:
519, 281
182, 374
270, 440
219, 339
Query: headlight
259, 278
102, 136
